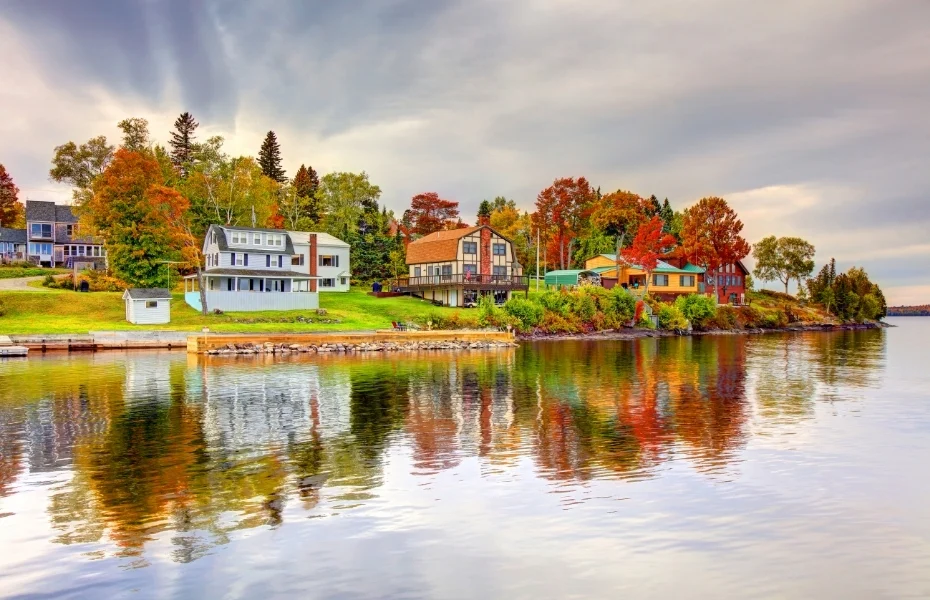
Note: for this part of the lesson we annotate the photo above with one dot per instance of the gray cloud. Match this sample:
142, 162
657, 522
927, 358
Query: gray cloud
474, 98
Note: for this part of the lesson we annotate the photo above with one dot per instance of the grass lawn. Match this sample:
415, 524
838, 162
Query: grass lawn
61, 311
15, 272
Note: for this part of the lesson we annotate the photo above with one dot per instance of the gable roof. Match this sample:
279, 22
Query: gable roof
223, 243
40, 210
438, 246
64, 214
147, 294
14, 236
661, 267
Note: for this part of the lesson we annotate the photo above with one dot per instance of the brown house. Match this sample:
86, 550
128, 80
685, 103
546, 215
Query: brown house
457, 267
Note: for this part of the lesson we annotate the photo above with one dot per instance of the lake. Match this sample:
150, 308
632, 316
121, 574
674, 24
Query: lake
780, 465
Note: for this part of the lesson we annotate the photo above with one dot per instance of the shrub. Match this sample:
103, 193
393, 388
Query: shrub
774, 318
49, 281
725, 318
670, 317
527, 313
583, 306
645, 321
553, 301
556, 323
488, 313
696, 308
749, 317
621, 306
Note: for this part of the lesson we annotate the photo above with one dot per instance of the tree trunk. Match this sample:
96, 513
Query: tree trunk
203, 291
562, 252
787, 280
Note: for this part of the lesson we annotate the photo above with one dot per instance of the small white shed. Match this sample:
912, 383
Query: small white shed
147, 306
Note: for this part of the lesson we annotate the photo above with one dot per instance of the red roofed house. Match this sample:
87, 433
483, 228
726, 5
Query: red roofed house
458, 266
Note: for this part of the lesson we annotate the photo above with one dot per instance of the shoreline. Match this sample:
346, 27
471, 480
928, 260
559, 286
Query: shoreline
634, 334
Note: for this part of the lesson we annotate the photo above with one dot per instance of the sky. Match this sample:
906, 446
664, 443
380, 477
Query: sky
809, 117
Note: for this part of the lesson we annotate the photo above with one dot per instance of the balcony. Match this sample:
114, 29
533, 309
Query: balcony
465, 280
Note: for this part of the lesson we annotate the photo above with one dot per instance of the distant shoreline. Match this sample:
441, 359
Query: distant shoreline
634, 334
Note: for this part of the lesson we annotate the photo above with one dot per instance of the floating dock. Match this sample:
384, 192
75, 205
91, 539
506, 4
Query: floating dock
6, 351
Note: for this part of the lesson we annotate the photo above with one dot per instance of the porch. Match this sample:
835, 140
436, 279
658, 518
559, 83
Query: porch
252, 292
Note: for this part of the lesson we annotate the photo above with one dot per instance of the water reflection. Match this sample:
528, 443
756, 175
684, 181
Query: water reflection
195, 448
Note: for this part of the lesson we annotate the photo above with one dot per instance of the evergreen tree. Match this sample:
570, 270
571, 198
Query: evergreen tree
306, 183
653, 207
484, 213
182, 141
668, 216
269, 158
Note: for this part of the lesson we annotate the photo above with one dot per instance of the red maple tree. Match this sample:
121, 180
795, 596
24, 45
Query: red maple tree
648, 245
710, 236
562, 211
429, 213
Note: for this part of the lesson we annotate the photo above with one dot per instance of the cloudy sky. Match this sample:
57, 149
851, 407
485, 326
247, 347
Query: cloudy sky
810, 117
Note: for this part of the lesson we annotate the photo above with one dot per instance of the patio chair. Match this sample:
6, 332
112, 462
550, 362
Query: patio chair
398, 326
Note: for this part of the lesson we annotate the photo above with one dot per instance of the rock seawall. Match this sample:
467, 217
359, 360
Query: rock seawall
271, 348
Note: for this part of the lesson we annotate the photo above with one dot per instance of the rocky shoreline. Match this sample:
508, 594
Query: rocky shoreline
633, 334
271, 348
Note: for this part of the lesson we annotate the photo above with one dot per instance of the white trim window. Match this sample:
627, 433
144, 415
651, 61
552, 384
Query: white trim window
329, 260
327, 283
151, 304
257, 239
238, 259
500, 249
275, 239
40, 230
239, 238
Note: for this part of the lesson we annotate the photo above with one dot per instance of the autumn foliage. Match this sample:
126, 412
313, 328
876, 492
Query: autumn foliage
649, 244
11, 209
141, 220
562, 212
429, 213
710, 235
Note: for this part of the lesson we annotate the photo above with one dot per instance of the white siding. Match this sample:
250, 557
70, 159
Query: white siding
252, 301
137, 313
333, 272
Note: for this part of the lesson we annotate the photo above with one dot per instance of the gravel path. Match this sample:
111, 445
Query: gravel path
19, 284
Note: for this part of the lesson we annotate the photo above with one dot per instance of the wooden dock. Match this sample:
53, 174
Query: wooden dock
201, 343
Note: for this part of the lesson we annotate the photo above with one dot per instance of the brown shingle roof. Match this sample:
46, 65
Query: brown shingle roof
438, 246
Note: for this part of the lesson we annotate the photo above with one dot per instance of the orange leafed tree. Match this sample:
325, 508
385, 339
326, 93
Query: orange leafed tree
620, 213
710, 236
141, 221
648, 245
429, 213
562, 212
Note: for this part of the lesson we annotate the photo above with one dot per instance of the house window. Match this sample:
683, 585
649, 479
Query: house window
327, 260
344, 281
275, 239
67, 250
447, 270
37, 249
686, 281
216, 258
70, 230
151, 304
500, 249
96, 250
41, 230
327, 283
297, 259
209, 259
212, 281
471, 272
660, 280
237, 260
213, 238
500, 271
417, 271
470, 247
240, 237
80, 250
257, 239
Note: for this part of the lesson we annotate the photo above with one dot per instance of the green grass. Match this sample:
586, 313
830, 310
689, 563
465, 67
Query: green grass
60, 311
15, 272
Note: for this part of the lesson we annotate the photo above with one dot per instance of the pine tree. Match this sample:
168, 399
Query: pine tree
269, 158
484, 213
182, 141
306, 183
668, 216
653, 207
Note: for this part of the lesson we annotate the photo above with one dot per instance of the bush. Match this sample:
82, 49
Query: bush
670, 318
583, 306
556, 323
527, 313
488, 313
725, 318
749, 317
49, 281
775, 318
696, 308
645, 321
620, 306
554, 301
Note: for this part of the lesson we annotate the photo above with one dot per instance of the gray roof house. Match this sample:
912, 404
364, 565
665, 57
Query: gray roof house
251, 268
12, 244
53, 239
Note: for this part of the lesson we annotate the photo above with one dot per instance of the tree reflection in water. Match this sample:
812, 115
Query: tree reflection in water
202, 447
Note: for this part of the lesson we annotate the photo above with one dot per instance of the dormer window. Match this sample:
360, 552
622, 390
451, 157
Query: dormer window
275, 239
240, 237
213, 238
257, 239
41, 230
71, 229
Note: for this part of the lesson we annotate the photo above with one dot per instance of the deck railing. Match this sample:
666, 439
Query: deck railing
466, 280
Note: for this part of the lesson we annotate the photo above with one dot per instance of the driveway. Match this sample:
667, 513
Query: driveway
19, 284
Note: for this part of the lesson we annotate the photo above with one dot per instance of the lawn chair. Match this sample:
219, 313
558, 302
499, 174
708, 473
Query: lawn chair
398, 326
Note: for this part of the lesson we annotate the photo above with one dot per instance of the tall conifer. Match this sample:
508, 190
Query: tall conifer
269, 158
182, 141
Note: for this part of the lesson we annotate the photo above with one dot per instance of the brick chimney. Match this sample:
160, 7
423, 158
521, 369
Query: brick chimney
313, 262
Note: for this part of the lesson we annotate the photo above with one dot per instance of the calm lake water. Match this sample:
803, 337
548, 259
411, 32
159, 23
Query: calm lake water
784, 466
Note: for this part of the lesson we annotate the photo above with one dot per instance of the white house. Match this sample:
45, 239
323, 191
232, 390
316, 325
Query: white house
147, 306
332, 259
250, 269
